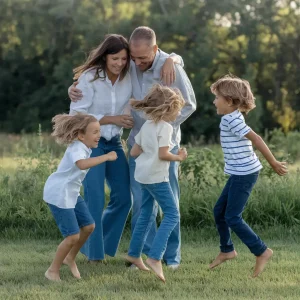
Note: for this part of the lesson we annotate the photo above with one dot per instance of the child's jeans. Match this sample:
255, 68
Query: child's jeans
162, 193
228, 214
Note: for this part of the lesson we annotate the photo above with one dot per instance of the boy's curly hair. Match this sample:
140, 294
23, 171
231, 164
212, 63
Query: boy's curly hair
235, 89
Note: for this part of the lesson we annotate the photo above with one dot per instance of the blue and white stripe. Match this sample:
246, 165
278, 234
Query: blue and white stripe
240, 159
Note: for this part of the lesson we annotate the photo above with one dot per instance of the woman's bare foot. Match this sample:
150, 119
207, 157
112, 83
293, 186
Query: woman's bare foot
156, 266
73, 267
137, 261
222, 257
53, 276
261, 261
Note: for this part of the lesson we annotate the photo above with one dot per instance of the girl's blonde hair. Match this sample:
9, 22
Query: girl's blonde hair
66, 127
160, 103
237, 90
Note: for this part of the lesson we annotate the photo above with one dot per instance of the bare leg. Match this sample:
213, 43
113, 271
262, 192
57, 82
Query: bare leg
261, 261
156, 266
62, 251
70, 258
137, 261
222, 257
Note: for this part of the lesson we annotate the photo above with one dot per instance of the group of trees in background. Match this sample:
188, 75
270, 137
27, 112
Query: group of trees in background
259, 40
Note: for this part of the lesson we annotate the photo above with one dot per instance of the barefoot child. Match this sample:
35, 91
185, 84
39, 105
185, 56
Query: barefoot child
153, 143
234, 97
61, 190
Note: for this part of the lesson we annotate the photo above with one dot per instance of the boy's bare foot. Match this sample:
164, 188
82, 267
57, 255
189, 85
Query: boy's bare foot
53, 276
137, 261
156, 266
261, 261
222, 257
73, 267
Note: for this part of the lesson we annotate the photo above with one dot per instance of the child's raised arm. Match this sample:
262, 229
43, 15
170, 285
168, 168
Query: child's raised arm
279, 167
165, 154
87, 163
136, 150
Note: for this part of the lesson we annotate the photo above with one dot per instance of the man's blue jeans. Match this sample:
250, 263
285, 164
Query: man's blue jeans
109, 224
228, 214
172, 254
164, 196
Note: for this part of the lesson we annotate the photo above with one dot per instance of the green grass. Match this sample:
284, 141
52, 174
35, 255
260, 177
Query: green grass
23, 263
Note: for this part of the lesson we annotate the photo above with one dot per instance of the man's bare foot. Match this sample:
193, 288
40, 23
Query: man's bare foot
73, 267
222, 257
53, 276
156, 266
261, 261
137, 261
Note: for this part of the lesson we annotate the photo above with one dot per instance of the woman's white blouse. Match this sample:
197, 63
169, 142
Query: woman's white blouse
101, 98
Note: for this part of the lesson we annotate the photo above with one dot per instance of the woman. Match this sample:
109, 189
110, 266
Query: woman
106, 87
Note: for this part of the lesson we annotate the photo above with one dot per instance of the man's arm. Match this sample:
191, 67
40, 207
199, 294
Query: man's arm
184, 85
168, 72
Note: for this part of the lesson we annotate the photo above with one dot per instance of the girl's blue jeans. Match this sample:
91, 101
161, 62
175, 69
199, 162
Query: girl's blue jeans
162, 193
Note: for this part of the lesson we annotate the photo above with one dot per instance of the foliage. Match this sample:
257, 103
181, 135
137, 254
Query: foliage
42, 41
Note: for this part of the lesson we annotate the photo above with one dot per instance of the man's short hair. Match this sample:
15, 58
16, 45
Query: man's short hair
143, 33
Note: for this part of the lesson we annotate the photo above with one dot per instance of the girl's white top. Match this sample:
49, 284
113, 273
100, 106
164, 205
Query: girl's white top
240, 159
149, 168
101, 98
63, 186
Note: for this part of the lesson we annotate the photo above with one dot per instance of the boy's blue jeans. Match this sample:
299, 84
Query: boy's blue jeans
162, 193
172, 255
228, 214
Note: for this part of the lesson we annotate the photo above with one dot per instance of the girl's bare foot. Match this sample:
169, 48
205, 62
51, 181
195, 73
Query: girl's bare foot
53, 276
261, 261
156, 266
222, 257
73, 267
137, 261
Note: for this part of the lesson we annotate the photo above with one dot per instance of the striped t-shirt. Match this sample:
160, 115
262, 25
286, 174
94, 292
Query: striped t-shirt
240, 159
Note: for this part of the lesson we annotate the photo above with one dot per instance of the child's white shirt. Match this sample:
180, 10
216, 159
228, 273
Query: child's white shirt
240, 159
149, 167
63, 186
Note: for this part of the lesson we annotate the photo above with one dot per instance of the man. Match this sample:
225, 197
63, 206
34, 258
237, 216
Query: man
145, 70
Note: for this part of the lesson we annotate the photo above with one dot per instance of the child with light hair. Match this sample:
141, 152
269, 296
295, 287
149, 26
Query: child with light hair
234, 97
152, 149
61, 192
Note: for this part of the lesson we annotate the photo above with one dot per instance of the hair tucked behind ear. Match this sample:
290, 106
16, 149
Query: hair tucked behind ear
66, 127
160, 102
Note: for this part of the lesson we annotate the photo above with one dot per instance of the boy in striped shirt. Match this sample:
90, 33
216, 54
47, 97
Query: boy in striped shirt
234, 97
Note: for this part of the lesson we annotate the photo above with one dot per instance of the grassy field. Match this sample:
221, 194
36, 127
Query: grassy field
23, 263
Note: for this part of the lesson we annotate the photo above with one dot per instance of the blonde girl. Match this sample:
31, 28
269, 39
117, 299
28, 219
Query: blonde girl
61, 192
152, 149
234, 97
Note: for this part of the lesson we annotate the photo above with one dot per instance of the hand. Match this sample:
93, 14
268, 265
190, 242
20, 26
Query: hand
111, 156
167, 72
280, 167
182, 153
74, 93
123, 121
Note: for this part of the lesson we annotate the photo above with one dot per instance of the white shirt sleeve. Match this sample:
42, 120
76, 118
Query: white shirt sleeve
137, 138
77, 154
165, 136
83, 105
